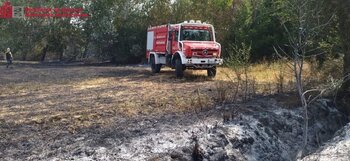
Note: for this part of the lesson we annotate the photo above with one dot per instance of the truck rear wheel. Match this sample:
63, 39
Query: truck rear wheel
179, 69
155, 67
211, 72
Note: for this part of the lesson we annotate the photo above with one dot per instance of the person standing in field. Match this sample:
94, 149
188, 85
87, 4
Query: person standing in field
9, 57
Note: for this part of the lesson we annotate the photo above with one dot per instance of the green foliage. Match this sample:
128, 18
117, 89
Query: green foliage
28, 37
239, 57
116, 29
318, 23
255, 22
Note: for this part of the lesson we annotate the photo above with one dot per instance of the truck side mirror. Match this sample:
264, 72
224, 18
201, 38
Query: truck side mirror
176, 35
170, 37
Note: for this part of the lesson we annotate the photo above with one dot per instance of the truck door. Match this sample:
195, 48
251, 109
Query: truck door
175, 42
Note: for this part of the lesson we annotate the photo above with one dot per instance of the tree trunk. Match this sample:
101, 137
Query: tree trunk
343, 13
61, 52
346, 84
24, 55
43, 54
343, 96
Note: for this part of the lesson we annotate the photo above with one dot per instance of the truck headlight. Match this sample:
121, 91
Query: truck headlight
215, 54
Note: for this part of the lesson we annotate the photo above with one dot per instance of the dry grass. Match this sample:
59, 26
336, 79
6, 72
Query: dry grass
82, 96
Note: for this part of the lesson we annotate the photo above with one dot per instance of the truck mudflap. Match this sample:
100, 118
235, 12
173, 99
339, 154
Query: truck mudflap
202, 63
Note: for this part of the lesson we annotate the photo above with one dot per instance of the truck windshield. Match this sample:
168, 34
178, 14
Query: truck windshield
195, 35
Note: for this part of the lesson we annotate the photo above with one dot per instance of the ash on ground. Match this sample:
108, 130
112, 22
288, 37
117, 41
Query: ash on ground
256, 131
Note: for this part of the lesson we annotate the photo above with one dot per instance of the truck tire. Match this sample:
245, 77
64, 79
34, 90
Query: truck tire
155, 67
179, 69
211, 72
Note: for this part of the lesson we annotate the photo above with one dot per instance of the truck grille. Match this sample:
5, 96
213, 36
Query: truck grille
203, 53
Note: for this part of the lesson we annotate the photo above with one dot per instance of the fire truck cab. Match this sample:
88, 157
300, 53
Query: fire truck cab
188, 45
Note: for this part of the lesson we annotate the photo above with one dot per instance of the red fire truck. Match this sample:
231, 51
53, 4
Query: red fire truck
187, 45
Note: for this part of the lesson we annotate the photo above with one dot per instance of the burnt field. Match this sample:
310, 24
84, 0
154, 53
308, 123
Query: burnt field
51, 111
80, 96
42, 104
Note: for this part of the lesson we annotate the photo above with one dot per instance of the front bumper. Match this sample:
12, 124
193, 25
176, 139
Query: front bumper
202, 63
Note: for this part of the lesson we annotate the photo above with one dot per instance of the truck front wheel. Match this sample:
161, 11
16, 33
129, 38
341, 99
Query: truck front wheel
179, 69
155, 67
211, 72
